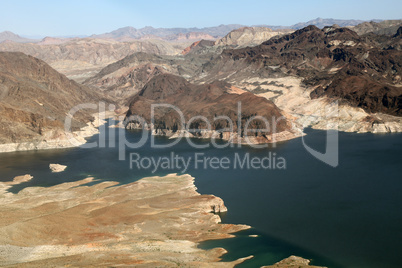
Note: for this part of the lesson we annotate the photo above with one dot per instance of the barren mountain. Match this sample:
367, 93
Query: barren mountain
209, 101
35, 99
249, 36
305, 71
82, 58
180, 37
387, 27
9, 36
321, 23
189, 37
326, 58
197, 46
53, 41
242, 37
217, 31
131, 32
128, 76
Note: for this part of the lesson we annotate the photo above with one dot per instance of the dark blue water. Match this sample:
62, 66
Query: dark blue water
348, 216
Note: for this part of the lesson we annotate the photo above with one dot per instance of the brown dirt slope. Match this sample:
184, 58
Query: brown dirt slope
34, 98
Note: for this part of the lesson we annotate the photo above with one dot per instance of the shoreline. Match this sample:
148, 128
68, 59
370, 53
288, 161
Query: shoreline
59, 139
155, 221
230, 137
325, 113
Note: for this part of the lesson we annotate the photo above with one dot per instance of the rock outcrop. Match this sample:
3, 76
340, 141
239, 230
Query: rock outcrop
292, 262
55, 168
208, 101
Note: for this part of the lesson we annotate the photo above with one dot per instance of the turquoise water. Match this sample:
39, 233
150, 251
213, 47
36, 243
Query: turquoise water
348, 216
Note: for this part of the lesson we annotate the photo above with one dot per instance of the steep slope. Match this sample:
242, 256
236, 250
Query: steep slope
327, 64
208, 101
80, 59
35, 99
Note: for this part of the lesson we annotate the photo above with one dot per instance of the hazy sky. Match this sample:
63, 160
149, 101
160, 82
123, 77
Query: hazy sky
85, 17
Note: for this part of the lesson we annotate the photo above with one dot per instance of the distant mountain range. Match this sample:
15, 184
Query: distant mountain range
321, 23
217, 31
9, 36
179, 34
132, 32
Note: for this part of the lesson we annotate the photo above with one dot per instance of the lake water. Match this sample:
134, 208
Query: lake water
348, 216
